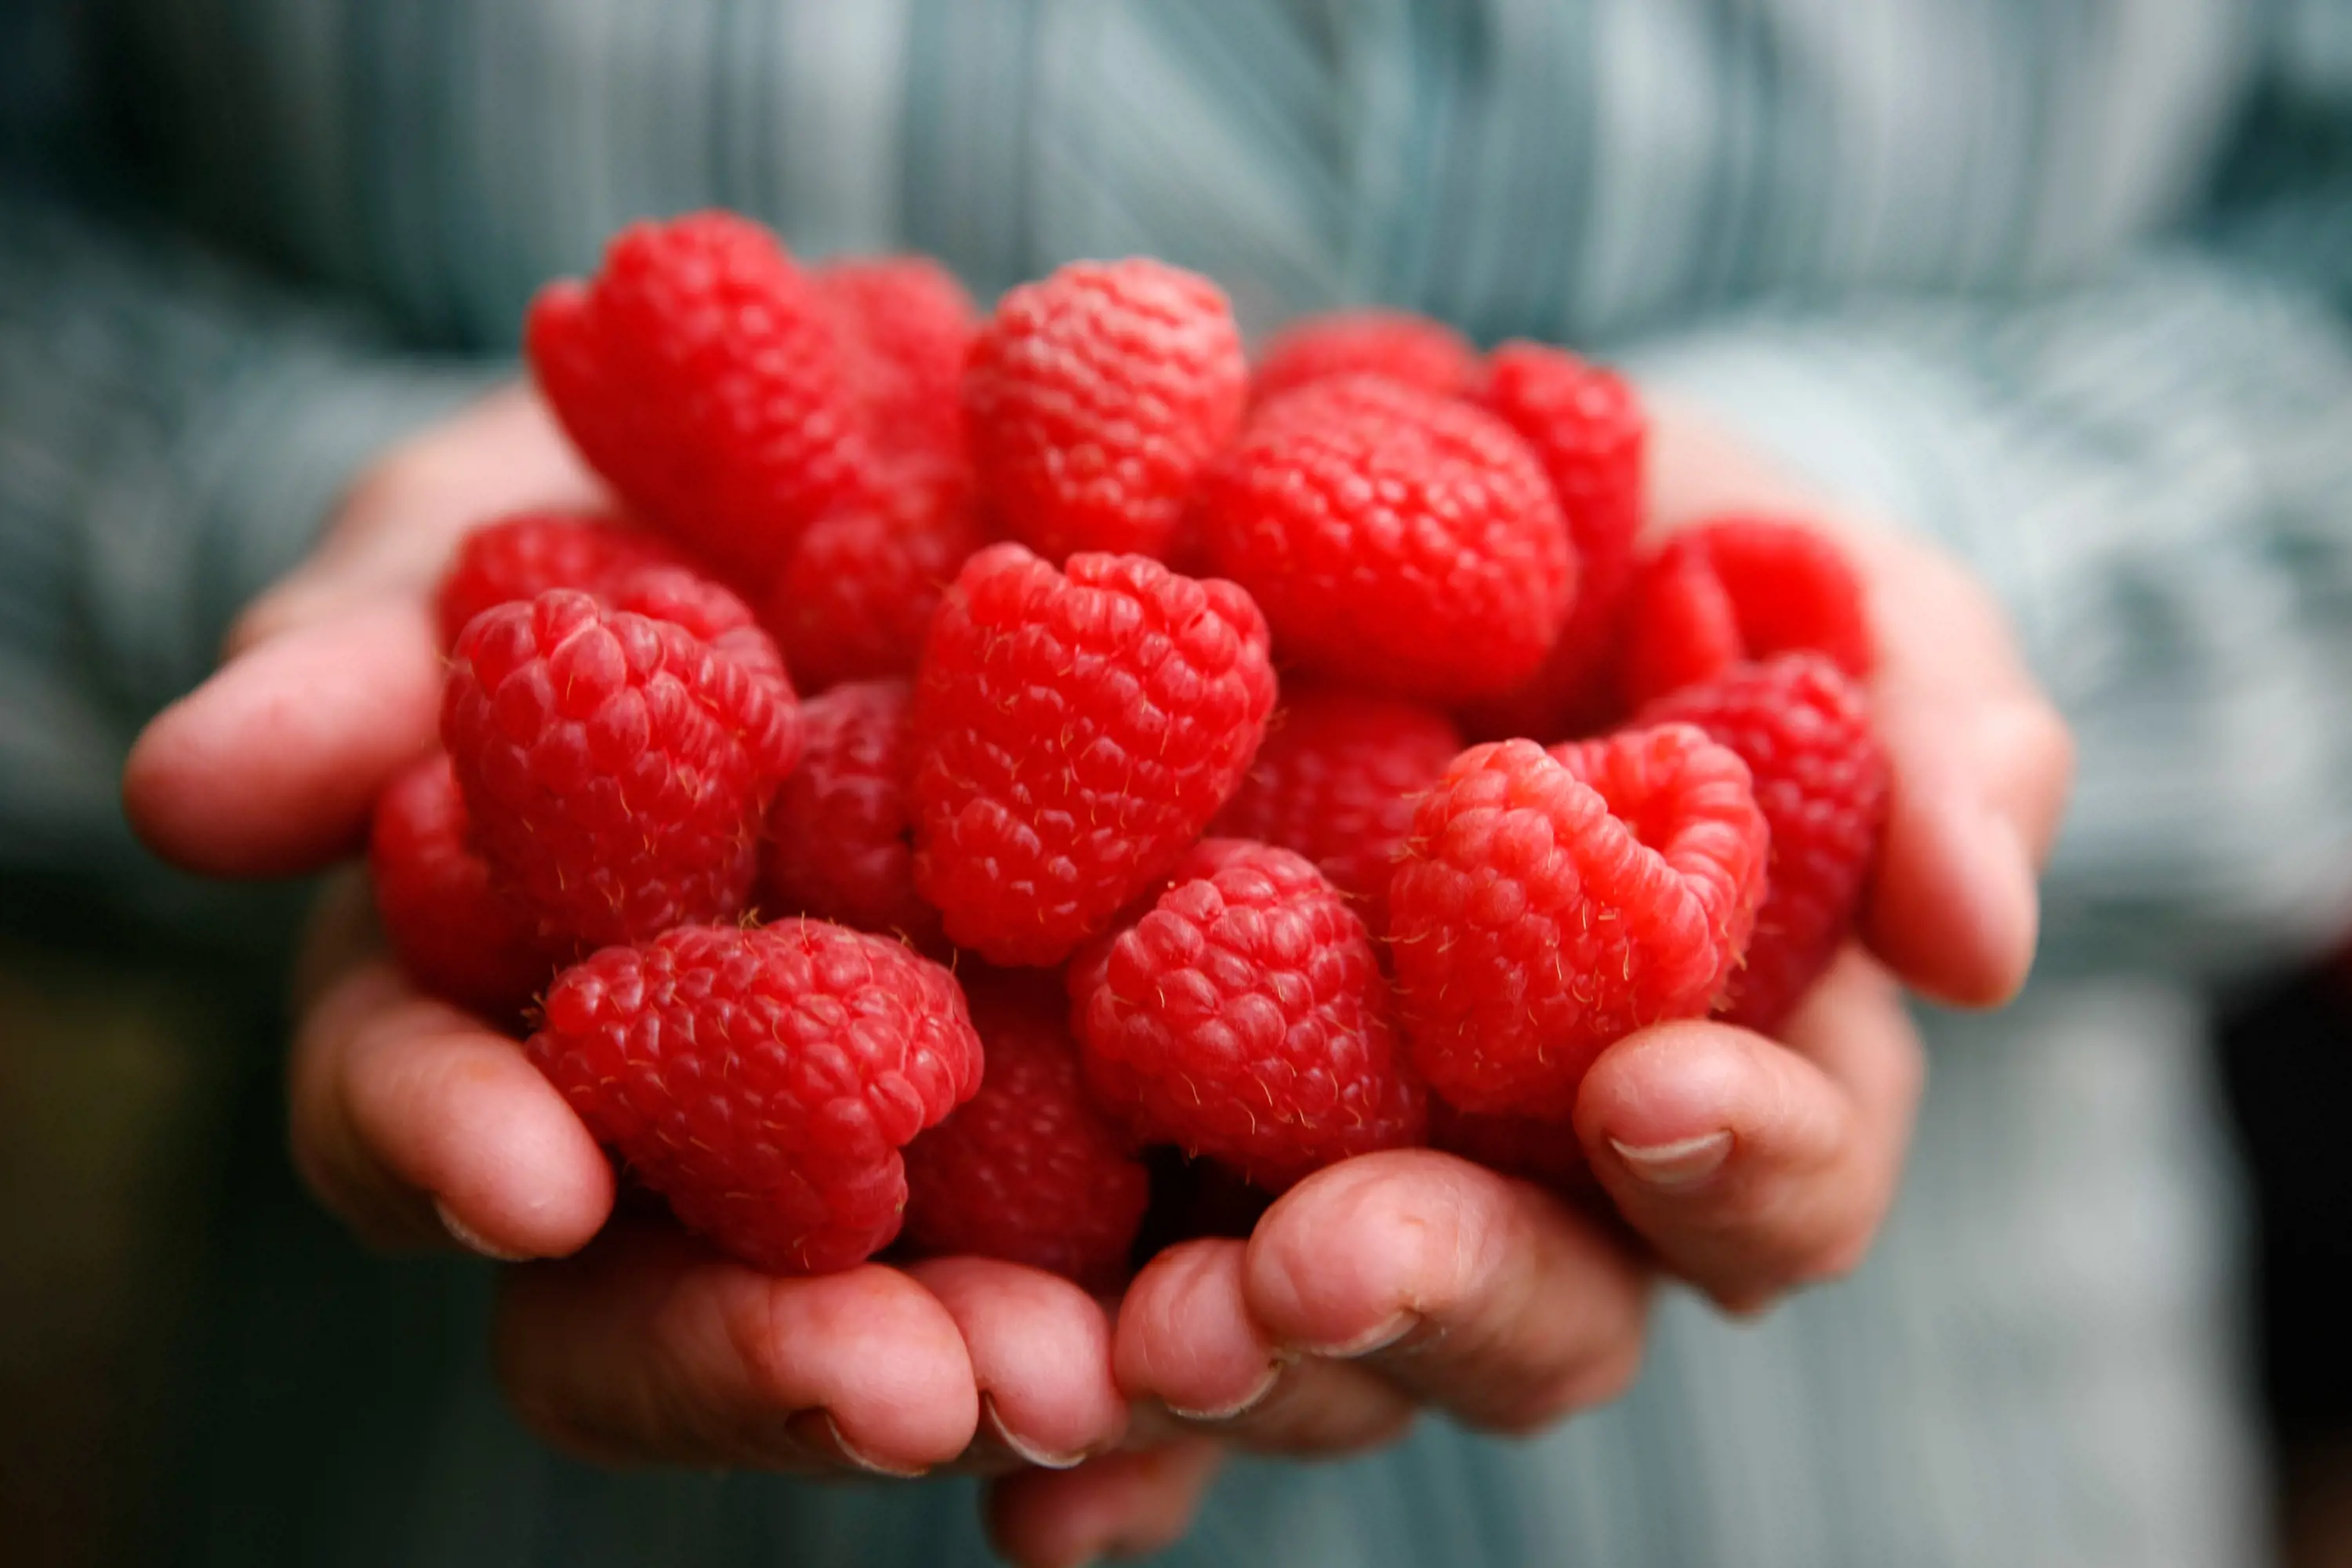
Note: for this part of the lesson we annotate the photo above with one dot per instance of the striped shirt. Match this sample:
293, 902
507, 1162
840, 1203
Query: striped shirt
2059, 281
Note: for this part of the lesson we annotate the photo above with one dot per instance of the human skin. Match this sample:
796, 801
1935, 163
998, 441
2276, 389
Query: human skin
1376, 1288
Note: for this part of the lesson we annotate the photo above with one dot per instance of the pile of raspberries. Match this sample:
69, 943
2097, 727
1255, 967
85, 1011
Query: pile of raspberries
1130, 853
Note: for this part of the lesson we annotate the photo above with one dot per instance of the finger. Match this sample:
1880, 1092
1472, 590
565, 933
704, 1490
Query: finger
273, 765
1981, 761
1040, 1350
648, 1348
1186, 1341
1979, 766
1481, 1295
1121, 1505
394, 531
1752, 1167
418, 1125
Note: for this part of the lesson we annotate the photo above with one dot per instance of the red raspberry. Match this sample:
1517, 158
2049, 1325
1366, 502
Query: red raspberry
1092, 399
858, 599
764, 1080
1743, 588
904, 324
1803, 730
699, 605
1394, 539
1588, 428
1029, 1172
1245, 1019
1337, 780
702, 375
841, 834
456, 938
1551, 903
1398, 345
1074, 734
522, 556
1544, 1153
616, 767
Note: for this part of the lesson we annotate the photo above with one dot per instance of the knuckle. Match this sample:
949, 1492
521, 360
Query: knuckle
1838, 1260
1600, 1378
1613, 1377
274, 611
519, 1367
749, 1321
395, 480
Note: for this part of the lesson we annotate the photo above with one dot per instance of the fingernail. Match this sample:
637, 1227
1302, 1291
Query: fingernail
1241, 1406
816, 1431
1673, 1166
1380, 1337
1029, 1453
471, 1239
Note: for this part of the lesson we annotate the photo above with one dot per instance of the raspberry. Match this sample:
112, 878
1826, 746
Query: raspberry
1544, 1153
1803, 730
708, 609
616, 767
1551, 903
1245, 1019
1394, 539
1587, 427
1092, 399
1074, 734
764, 1080
702, 375
1742, 588
856, 600
841, 836
523, 555
1029, 1171
904, 324
1337, 780
1398, 345
456, 938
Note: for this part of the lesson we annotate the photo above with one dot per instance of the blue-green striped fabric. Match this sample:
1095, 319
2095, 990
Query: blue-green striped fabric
2060, 281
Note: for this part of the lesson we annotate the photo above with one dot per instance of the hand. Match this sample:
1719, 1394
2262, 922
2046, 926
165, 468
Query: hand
420, 1127
1743, 1165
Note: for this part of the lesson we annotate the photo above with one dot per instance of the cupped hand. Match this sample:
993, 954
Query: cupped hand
420, 1126
1744, 1165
